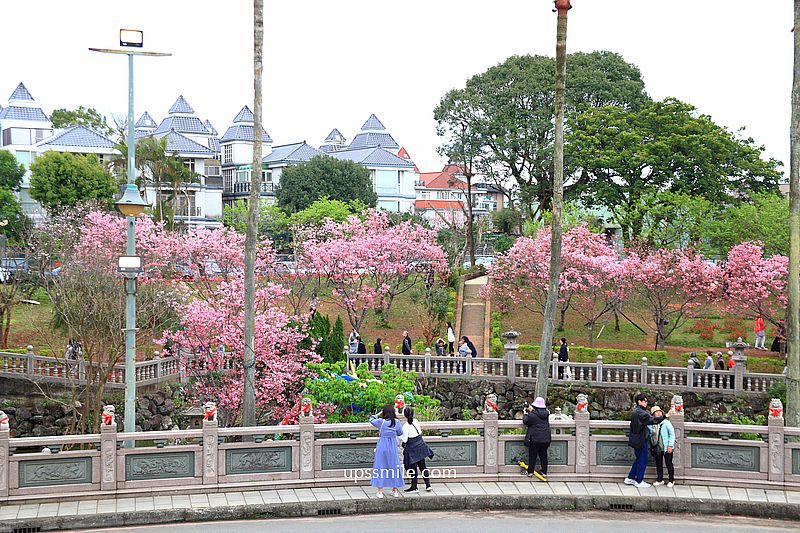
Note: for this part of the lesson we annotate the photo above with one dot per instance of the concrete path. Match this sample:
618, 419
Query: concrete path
357, 499
473, 310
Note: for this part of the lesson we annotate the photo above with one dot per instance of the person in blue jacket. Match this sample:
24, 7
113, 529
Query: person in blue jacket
662, 445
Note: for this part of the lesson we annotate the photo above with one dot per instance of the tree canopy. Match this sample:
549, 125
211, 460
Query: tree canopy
11, 172
61, 179
623, 154
504, 116
90, 118
302, 184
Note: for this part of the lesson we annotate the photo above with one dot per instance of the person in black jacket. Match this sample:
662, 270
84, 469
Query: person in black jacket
362, 348
377, 348
563, 357
537, 437
406, 344
637, 439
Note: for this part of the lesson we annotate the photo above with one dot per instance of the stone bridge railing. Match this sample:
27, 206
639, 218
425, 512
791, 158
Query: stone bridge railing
62, 371
512, 368
58, 370
215, 459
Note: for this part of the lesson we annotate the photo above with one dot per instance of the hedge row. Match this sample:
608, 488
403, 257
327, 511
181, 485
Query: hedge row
611, 356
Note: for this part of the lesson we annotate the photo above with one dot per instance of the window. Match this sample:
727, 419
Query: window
189, 164
41, 134
242, 176
227, 180
442, 195
6, 137
212, 170
386, 182
24, 158
227, 156
266, 176
426, 195
399, 179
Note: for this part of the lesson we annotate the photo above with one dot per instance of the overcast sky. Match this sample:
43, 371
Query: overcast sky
330, 64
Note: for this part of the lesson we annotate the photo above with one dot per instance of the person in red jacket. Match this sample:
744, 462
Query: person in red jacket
761, 332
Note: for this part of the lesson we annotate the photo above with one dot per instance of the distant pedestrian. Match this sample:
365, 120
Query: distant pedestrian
463, 353
415, 451
719, 366
406, 344
731, 361
451, 338
441, 351
694, 361
638, 440
377, 348
386, 469
563, 357
361, 348
662, 444
760, 330
709, 363
353, 342
537, 437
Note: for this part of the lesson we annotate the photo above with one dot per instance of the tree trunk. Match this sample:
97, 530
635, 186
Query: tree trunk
591, 334
470, 235
545, 350
249, 401
793, 322
563, 314
616, 321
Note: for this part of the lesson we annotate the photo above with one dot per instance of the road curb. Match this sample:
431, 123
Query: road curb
781, 511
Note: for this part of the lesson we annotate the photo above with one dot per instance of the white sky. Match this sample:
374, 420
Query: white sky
330, 64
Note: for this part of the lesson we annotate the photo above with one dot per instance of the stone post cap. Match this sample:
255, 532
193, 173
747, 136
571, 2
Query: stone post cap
511, 335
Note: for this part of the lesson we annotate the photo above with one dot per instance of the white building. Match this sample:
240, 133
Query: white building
23, 124
198, 204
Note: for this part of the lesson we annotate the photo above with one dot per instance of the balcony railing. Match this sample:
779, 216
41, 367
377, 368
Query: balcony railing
213, 181
244, 188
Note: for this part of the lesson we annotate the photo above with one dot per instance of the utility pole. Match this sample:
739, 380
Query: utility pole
249, 401
546, 348
793, 320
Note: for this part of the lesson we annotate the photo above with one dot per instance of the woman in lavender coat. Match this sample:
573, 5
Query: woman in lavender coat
386, 470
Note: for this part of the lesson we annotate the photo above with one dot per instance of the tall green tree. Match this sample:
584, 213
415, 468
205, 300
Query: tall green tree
624, 154
12, 221
61, 179
272, 222
11, 172
673, 220
90, 118
302, 184
764, 218
509, 113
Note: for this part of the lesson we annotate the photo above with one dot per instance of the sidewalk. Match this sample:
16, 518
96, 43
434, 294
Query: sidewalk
356, 499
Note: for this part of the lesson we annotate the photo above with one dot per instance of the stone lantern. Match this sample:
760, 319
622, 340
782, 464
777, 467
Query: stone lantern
511, 340
738, 351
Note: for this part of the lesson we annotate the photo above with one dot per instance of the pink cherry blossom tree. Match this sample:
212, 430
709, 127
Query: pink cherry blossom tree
754, 284
673, 284
368, 262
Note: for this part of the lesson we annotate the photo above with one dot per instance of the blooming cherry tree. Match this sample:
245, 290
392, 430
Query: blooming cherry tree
673, 284
754, 284
369, 262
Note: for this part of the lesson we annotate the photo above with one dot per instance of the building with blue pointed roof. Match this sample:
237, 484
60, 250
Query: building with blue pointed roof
195, 142
236, 146
392, 177
23, 124
373, 133
334, 141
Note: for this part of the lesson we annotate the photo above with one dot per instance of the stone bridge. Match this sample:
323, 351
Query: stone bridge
307, 455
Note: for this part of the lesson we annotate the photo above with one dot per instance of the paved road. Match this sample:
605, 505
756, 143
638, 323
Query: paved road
484, 522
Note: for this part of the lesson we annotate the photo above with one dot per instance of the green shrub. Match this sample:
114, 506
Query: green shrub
778, 390
611, 356
759, 420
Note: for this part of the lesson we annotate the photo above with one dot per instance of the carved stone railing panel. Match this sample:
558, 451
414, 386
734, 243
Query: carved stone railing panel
615, 453
796, 461
258, 460
724, 457
48, 472
460, 453
340, 456
145, 466
516, 451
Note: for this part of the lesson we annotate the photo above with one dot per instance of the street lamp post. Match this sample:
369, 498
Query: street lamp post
131, 205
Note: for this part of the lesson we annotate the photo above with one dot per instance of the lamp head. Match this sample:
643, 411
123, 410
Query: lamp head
131, 204
134, 38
